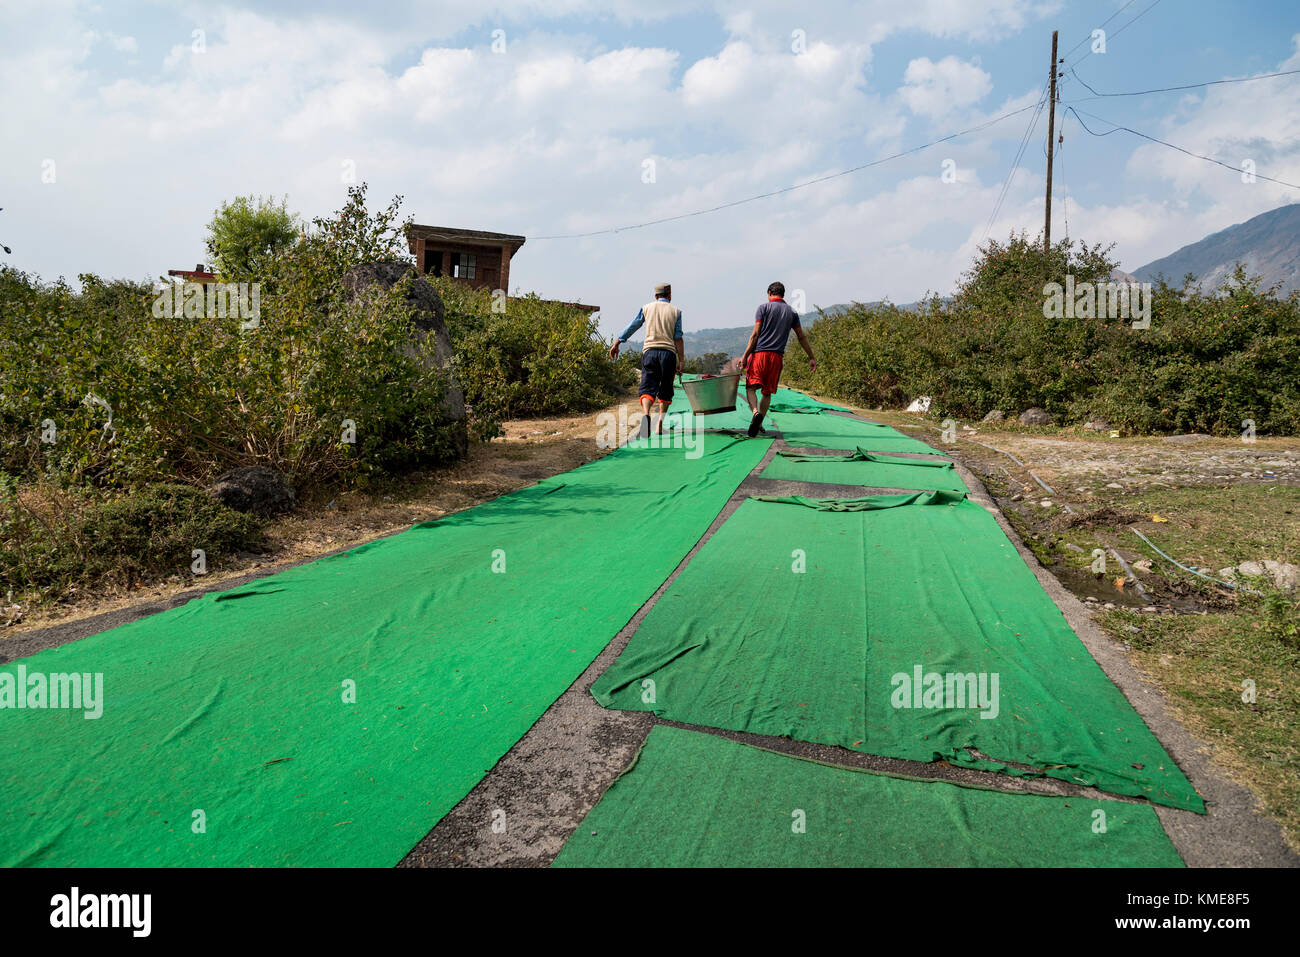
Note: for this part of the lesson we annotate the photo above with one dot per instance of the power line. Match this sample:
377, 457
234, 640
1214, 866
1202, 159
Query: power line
1119, 31
1103, 23
787, 189
1065, 194
1126, 129
1015, 162
1169, 89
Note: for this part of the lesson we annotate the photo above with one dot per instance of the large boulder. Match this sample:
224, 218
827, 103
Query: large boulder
253, 488
430, 342
1035, 417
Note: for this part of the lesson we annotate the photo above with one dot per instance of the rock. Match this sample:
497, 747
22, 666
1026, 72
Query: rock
997, 415
1150, 609
430, 342
1144, 565
1188, 437
1097, 424
1035, 416
1283, 575
253, 488
1287, 576
920, 404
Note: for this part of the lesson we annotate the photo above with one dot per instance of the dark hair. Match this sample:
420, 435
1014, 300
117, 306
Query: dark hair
776, 289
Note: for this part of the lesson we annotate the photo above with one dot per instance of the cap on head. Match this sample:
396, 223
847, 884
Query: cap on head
663, 288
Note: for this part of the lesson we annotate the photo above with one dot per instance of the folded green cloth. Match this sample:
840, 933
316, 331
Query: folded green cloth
862, 455
867, 503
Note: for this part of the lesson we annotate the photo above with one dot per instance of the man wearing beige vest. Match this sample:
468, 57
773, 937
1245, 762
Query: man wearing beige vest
662, 356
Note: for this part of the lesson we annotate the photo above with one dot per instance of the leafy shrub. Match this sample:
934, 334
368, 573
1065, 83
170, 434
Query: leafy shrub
535, 358
191, 397
1206, 363
52, 542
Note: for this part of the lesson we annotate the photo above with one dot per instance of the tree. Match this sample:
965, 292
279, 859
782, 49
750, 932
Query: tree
245, 233
708, 364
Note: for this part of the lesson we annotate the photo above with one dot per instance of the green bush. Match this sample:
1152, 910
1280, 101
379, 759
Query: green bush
710, 363
1208, 361
534, 358
192, 397
72, 539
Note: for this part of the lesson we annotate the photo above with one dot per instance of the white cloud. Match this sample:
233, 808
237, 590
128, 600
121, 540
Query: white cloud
550, 138
939, 89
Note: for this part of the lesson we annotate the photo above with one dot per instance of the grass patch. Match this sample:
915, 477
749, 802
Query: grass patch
1201, 662
1215, 527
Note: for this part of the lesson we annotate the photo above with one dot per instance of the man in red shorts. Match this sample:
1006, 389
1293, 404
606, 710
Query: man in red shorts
766, 351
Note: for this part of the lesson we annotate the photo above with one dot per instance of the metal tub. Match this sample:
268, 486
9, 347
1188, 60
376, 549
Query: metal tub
711, 394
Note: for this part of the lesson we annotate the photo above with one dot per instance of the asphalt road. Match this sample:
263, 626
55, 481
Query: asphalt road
533, 799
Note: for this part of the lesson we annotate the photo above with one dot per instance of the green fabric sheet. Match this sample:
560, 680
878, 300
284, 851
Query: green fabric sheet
697, 800
811, 624
865, 468
789, 398
684, 418
458, 634
789, 401
826, 431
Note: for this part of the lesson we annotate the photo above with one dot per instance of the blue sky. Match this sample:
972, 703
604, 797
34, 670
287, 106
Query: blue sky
147, 136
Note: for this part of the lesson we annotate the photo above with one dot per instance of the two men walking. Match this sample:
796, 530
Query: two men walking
664, 353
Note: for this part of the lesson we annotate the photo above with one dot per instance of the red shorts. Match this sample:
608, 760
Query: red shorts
764, 370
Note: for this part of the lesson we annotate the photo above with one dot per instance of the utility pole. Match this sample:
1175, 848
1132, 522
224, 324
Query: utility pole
1051, 138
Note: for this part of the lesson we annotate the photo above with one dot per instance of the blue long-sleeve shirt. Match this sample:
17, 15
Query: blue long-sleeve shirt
639, 321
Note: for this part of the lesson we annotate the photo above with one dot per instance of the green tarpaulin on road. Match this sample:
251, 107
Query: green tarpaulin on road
828, 431
785, 400
229, 736
914, 631
684, 418
697, 800
865, 468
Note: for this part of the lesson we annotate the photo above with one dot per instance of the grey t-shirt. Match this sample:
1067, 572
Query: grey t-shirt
778, 318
